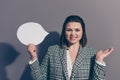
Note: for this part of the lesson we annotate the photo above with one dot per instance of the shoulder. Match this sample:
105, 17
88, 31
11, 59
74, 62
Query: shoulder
90, 50
54, 48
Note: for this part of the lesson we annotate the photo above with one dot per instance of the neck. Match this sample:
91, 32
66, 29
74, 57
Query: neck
74, 46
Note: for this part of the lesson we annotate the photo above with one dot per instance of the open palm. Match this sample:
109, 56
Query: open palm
103, 53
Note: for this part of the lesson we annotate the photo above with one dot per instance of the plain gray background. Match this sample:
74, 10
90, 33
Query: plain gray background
102, 18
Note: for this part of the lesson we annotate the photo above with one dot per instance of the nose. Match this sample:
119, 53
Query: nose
73, 33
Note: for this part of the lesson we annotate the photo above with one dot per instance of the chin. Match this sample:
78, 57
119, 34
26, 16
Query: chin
73, 42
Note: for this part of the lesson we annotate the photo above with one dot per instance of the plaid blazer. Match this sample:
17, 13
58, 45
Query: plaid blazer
54, 66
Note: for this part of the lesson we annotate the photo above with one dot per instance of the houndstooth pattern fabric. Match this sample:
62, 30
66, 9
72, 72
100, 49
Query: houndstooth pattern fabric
54, 66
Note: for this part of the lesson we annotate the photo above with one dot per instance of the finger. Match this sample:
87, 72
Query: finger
109, 50
100, 51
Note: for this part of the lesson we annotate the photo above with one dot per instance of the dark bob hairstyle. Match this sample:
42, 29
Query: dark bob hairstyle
73, 18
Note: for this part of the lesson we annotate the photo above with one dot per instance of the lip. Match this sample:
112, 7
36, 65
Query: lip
72, 38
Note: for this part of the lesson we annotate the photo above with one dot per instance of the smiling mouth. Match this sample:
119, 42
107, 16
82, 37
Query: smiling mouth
73, 38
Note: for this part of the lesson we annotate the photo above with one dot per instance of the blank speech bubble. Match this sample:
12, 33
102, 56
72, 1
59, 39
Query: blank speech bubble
31, 32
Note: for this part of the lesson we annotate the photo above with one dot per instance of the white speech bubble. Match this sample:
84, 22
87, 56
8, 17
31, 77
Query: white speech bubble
31, 32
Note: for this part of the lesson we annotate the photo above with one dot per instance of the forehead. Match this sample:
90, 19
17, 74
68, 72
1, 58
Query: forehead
74, 25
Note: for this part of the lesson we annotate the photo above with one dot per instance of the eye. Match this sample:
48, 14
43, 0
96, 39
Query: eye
77, 30
68, 30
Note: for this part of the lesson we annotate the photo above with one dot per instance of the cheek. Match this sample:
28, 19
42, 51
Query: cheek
67, 34
80, 34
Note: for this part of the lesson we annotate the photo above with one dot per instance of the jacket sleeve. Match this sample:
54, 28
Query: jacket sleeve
40, 71
98, 72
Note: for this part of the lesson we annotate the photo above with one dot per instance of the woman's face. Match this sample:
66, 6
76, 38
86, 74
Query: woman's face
73, 32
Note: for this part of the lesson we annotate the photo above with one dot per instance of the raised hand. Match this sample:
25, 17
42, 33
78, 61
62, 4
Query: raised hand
103, 53
32, 51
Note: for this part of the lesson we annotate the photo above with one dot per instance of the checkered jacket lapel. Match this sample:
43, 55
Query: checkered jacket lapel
78, 62
63, 61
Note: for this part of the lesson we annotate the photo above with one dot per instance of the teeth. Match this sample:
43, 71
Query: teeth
73, 38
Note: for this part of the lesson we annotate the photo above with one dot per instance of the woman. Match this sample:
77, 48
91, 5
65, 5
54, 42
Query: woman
72, 60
